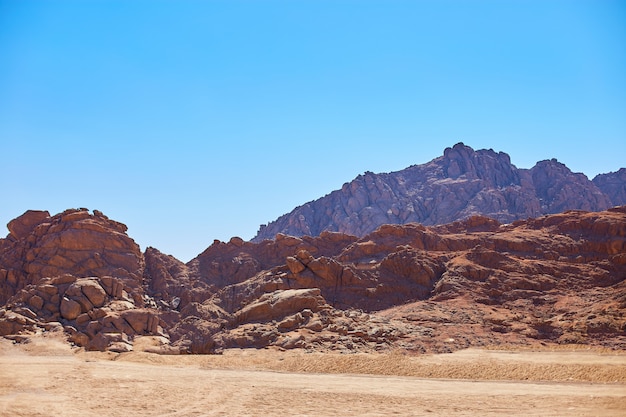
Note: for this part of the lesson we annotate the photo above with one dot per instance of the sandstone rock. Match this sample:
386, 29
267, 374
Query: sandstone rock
207, 311
414, 266
120, 347
12, 323
73, 243
326, 268
21, 227
295, 266
112, 286
291, 322
36, 302
117, 342
141, 321
70, 309
169, 279
280, 304
76, 337
315, 325
87, 292
474, 282
194, 335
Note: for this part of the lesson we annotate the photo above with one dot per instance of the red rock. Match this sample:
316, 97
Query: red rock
22, 226
72, 243
280, 304
295, 266
103, 341
36, 302
70, 309
141, 321
552, 279
94, 292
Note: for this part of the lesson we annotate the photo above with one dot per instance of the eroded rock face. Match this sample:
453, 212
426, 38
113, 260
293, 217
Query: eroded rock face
559, 189
552, 279
92, 311
460, 184
613, 184
76, 268
74, 242
22, 226
170, 282
229, 263
469, 283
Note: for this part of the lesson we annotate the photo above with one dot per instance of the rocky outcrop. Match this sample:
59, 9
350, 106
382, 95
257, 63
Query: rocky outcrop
551, 279
559, 189
470, 283
170, 283
76, 270
460, 184
226, 263
75, 242
97, 313
613, 185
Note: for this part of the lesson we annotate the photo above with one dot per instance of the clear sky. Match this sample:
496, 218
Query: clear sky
198, 120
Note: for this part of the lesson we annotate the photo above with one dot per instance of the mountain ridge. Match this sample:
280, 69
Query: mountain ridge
459, 184
550, 279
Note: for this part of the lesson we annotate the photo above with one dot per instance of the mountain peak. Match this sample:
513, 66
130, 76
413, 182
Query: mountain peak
461, 183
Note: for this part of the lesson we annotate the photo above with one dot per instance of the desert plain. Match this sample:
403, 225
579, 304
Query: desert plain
44, 376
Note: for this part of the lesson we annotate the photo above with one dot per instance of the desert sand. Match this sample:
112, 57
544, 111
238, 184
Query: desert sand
46, 377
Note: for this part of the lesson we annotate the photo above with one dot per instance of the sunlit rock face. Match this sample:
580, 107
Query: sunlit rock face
457, 185
75, 242
476, 282
613, 185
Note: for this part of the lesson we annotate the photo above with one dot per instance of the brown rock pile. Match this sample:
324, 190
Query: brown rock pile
412, 286
76, 270
476, 282
97, 313
74, 242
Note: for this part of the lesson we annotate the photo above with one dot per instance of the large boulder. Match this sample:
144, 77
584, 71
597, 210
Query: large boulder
279, 304
22, 226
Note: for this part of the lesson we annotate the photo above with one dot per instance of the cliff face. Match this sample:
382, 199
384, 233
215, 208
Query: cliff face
457, 185
475, 282
613, 185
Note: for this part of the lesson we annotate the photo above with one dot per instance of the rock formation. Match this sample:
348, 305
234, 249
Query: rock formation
613, 185
73, 242
75, 270
551, 279
460, 184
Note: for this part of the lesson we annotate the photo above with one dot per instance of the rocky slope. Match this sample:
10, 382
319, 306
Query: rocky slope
457, 185
613, 185
476, 282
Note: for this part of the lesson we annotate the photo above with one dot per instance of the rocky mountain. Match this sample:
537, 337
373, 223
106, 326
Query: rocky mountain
457, 185
552, 279
613, 185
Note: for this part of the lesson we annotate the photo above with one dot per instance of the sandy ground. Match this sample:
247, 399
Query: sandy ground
47, 378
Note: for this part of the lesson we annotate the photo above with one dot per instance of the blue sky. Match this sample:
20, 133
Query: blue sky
198, 120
